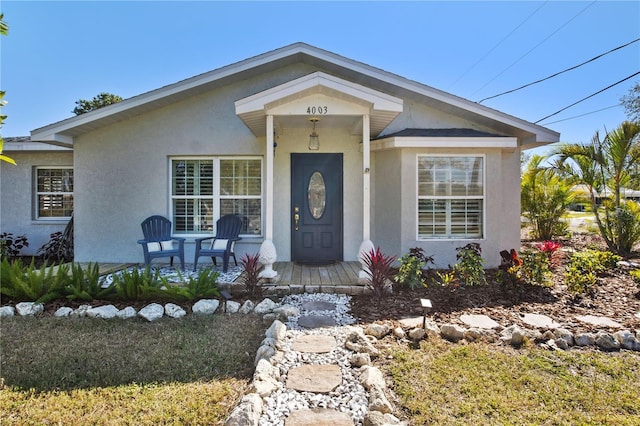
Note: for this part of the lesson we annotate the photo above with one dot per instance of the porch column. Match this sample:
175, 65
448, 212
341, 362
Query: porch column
366, 180
268, 254
268, 196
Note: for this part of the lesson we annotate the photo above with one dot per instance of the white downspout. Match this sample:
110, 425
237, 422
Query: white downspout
367, 245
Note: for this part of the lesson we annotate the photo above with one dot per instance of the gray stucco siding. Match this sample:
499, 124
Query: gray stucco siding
17, 210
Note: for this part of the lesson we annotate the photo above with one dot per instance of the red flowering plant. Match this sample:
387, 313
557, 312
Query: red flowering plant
549, 248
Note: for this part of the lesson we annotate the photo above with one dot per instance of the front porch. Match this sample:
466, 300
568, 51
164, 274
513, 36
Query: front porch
293, 278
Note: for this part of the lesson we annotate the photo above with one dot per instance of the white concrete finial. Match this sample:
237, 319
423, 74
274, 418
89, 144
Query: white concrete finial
268, 257
365, 247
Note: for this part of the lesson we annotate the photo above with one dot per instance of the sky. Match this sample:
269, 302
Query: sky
58, 52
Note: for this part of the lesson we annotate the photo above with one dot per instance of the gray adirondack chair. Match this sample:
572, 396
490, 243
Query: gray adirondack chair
158, 241
222, 244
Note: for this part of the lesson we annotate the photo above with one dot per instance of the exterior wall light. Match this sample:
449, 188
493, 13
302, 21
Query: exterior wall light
314, 140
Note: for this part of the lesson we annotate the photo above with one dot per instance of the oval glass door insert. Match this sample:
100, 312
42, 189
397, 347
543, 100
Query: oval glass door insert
317, 195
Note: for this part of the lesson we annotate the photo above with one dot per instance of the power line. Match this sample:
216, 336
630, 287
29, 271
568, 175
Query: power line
590, 96
499, 43
560, 72
581, 115
535, 47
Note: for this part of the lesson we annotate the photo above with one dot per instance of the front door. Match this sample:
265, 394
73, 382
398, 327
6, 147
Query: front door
316, 208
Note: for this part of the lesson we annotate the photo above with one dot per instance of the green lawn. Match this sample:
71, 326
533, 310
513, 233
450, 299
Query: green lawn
442, 383
83, 371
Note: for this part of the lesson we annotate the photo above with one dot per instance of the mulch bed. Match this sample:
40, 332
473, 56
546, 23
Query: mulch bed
616, 297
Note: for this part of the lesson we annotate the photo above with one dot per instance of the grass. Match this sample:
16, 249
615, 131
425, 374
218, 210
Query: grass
441, 383
82, 371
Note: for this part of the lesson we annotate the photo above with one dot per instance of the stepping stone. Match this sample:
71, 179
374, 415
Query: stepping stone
321, 378
314, 344
316, 321
599, 321
479, 321
539, 321
318, 417
317, 305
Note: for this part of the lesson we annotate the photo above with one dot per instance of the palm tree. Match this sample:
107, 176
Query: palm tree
544, 198
603, 164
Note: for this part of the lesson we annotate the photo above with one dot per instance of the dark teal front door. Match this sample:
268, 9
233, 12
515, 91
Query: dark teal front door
316, 208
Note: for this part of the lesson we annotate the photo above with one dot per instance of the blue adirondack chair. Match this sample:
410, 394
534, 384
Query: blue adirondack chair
158, 241
222, 244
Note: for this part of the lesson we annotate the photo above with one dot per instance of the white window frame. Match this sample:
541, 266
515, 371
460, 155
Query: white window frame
482, 197
37, 193
217, 196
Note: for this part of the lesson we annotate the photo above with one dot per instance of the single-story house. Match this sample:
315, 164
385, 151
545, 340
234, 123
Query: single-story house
319, 154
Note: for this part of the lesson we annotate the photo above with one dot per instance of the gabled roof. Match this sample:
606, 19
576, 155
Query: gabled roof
443, 133
63, 132
24, 143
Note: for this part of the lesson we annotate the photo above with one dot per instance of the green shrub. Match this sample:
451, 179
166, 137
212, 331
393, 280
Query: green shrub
585, 266
136, 285
411, 268
469, 268
635, 274
205, 285
10, 245
85, 284
31, 284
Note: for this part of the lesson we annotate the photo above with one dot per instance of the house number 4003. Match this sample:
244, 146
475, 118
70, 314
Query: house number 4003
313, 110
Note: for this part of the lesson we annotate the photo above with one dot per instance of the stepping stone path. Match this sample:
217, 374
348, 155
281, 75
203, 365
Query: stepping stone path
314, 344
318, 417
599, 321
316, 319
479, 321
320, 378
540, 321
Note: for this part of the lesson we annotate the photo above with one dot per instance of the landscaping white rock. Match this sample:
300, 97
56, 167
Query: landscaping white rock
277, 330
584, 339
152, 312
564, 334
247, 307
29, 309
626, 339
377, 330
63, 312
607, 342
359, 360
399, 333
104, 312
265, 307
417, 334
81, 311
432, 329
378, 400
205, 306
357, 341
174, 311
287, 311
7, 311
513, 335
232, 307
371, 376
452, 332
126, 313
247, 413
